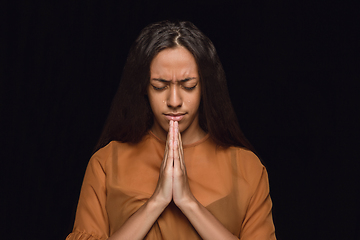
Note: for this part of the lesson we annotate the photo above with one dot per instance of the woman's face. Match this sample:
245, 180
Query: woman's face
174, 91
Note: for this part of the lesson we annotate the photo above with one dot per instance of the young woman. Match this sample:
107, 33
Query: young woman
172, 162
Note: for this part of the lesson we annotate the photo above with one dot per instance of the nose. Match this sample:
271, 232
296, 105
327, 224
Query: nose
174, 98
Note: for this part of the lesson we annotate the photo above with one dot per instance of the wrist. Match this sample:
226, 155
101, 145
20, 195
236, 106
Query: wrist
190, 204
157, 203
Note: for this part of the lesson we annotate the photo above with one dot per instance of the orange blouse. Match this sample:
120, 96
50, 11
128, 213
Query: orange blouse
231, 183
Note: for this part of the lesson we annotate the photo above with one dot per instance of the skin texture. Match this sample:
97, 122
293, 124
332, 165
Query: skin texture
174, 89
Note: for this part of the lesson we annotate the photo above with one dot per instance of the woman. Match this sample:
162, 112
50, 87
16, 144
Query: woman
172, 162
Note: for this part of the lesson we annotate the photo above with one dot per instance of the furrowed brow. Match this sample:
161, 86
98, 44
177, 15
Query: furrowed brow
160, 80
166, 81
187, 79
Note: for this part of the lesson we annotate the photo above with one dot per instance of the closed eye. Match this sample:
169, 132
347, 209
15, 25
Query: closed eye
159, 88
189, 88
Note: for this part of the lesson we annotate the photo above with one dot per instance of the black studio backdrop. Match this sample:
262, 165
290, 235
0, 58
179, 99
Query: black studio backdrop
291, 69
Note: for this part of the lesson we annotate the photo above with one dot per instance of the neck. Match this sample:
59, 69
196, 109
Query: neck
192, 134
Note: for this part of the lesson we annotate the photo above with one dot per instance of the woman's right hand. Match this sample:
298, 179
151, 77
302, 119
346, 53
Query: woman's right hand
147, 214
163, 191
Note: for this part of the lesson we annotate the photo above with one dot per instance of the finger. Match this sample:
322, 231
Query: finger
166, 153
171, 145
176, 146
166, 156
167, 141
181, 153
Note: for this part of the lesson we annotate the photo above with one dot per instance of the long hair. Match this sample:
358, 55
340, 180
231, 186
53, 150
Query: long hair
131, 117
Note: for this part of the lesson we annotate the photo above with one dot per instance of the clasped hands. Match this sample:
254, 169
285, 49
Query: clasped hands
173, 182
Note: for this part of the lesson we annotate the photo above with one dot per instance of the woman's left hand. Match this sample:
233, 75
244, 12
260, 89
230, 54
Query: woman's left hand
201, 219
181, 190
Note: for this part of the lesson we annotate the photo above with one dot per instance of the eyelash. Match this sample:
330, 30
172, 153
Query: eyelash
189, 88
156, 88
162, 88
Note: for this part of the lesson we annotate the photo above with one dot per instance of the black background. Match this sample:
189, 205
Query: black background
292, 76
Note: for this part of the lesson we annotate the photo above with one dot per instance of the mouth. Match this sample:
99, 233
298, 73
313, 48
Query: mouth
175, 116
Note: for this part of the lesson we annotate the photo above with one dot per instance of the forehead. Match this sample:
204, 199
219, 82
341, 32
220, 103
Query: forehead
173, 62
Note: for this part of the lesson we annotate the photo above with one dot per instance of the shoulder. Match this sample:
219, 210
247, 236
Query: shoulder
246, 157
248, 164
101, 156
116, 149
112, 147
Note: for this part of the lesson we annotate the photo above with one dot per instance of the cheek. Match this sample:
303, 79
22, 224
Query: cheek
193, 103
153, 105
156, 102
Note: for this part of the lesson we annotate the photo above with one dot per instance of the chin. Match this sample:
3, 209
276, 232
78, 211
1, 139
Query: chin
183, 127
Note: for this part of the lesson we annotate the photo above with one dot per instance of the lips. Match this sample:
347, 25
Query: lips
175, 117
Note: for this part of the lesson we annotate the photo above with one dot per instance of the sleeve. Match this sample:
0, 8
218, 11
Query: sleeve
91, 221
258, 222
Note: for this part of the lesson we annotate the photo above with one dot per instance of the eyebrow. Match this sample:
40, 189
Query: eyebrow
166, 81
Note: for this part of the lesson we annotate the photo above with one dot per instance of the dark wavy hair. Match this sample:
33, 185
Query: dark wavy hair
131, 117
